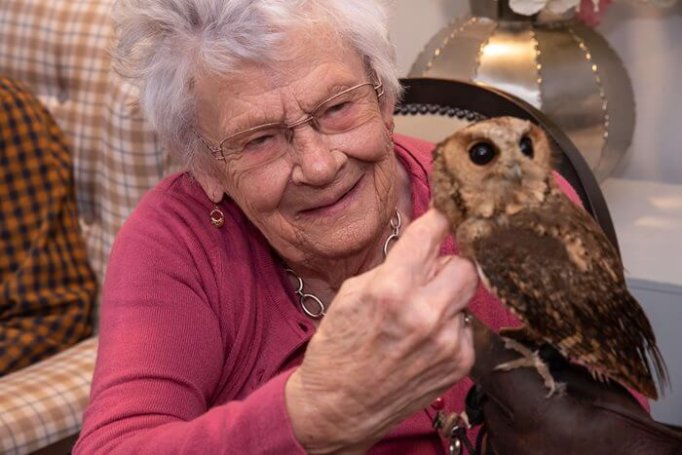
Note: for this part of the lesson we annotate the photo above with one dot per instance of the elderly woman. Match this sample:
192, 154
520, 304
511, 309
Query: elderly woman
290, 292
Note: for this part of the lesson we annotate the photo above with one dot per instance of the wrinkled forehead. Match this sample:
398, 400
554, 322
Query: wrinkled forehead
309, 48
313, 66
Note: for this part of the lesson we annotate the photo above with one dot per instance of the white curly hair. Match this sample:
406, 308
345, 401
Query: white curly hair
164, 43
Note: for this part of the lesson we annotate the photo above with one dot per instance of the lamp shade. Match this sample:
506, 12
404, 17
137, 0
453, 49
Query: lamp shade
557, 64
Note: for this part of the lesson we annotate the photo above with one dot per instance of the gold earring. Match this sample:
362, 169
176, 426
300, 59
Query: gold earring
217, 217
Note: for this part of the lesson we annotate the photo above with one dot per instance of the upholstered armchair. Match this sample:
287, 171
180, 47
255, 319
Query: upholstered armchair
59, 49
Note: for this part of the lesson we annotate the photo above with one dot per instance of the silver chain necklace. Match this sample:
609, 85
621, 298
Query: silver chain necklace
310, 303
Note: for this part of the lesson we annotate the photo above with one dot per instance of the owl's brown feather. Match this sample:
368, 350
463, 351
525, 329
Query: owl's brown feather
542, 256
575, 304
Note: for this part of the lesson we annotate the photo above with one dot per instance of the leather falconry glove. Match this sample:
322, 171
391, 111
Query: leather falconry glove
589, 417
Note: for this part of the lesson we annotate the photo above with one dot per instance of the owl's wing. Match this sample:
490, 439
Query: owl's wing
556, 270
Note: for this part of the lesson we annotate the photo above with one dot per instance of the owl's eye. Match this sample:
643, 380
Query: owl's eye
482, 153
526, 146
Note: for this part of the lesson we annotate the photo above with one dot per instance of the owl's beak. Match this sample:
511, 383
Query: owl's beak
514, 172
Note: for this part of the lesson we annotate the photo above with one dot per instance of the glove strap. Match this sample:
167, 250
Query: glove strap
453, 428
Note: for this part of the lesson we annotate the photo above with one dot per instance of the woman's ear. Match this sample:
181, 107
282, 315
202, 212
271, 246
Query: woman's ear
387, 108
213, 187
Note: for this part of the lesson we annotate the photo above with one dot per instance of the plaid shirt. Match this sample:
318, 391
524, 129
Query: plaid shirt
47, 289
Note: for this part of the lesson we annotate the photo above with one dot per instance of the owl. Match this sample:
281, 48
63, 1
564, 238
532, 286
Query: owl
543, 257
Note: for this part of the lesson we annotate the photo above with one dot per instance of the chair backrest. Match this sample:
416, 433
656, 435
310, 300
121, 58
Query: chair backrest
60, 50
434, 108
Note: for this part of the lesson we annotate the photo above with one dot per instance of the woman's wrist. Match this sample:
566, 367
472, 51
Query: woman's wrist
320, 425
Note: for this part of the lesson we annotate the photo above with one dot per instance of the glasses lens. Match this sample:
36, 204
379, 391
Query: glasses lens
347, 110
260, 142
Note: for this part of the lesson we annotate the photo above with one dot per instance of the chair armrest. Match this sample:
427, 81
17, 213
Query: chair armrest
43, 404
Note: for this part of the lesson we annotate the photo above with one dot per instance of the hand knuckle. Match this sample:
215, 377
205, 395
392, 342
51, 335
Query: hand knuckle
424, 323
467, 276
446, 347
386, 292
465, 267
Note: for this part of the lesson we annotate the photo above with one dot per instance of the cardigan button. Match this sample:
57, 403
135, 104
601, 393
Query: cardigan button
438, 404
303, 326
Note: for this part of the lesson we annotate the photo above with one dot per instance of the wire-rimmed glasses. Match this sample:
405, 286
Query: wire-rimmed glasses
340, 113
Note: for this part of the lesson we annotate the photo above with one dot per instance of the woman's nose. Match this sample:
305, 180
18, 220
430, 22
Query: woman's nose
315, 162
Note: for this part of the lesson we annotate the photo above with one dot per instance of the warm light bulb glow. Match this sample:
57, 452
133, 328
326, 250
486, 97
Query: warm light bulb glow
506, 50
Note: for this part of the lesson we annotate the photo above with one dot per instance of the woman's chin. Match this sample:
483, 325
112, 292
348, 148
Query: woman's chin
348, 239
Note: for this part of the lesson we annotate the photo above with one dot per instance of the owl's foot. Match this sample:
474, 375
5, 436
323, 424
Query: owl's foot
531, 359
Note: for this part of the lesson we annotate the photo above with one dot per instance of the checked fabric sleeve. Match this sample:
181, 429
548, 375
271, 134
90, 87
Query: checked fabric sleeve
47, 289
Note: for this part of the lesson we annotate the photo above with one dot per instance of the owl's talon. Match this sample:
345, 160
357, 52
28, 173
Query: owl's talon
514, 345
532, 359
518, 363
558, 388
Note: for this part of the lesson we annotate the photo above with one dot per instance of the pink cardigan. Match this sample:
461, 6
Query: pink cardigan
200, 331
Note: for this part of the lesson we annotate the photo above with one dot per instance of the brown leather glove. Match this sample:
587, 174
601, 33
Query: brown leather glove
590, 418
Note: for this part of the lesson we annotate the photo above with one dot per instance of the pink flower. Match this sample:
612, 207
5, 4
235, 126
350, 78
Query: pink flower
592, 11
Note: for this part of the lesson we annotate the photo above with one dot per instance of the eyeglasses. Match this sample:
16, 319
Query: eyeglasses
340, 113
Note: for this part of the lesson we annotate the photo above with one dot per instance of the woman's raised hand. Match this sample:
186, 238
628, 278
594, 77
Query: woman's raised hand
392, 341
